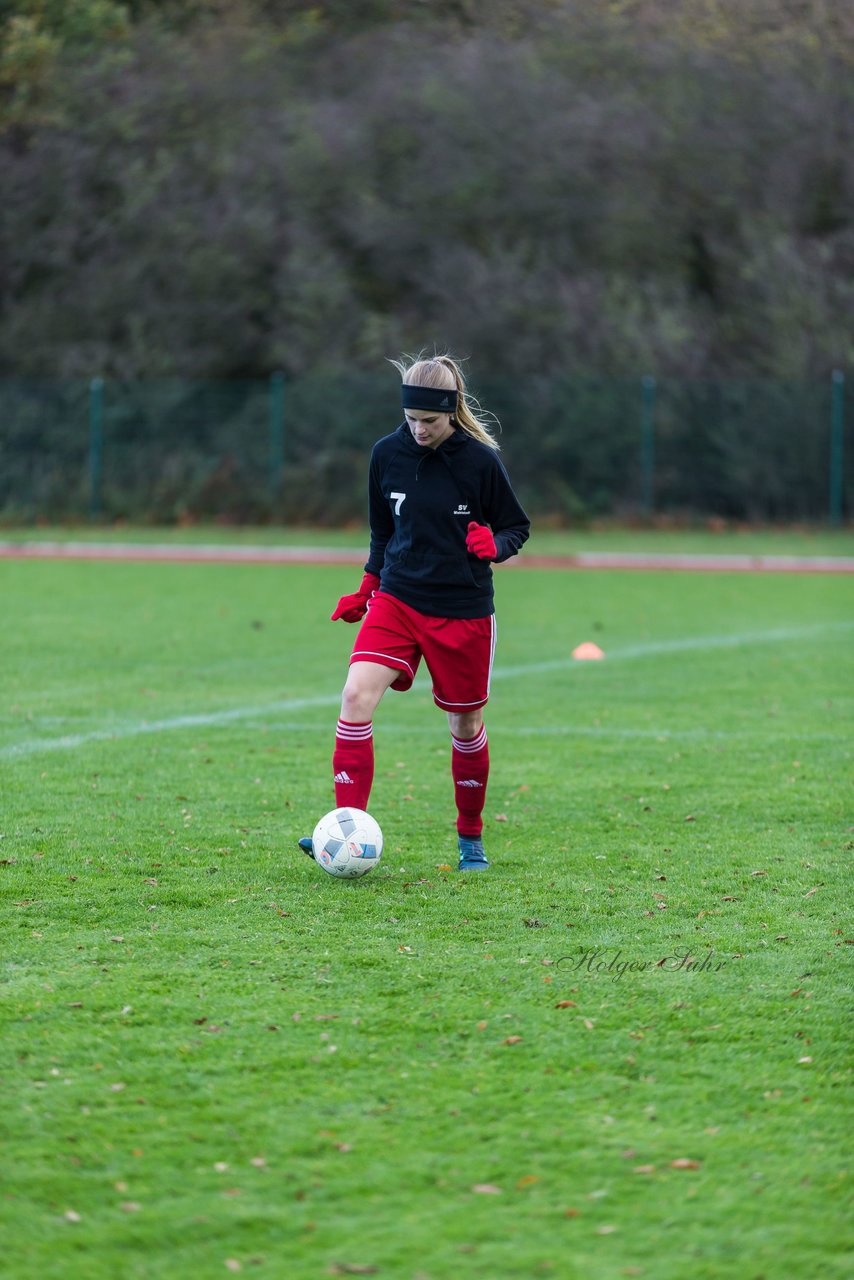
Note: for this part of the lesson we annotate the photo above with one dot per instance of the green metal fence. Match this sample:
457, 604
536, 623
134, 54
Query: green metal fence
295, 450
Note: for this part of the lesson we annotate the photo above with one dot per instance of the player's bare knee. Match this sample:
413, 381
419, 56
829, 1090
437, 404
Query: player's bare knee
362, 694
357, 703
465, 724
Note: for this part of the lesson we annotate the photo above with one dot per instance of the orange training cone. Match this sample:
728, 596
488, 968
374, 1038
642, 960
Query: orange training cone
588, 652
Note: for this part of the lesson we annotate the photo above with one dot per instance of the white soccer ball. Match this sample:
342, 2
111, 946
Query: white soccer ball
347, 843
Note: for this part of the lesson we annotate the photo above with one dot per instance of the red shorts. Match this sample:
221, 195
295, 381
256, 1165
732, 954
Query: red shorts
458, 652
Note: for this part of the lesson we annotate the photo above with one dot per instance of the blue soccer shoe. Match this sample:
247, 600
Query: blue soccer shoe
472, 856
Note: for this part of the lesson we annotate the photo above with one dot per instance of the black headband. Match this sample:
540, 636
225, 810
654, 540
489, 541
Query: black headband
428, 398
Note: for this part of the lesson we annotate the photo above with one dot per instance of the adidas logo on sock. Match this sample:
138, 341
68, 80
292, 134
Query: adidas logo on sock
343, 777
470, 782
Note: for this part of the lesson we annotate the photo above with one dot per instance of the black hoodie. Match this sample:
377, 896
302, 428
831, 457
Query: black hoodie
420, 502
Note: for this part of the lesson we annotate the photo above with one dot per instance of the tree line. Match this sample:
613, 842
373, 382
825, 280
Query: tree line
599, 189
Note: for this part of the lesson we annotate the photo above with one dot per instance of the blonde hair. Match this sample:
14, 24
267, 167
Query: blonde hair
444, 371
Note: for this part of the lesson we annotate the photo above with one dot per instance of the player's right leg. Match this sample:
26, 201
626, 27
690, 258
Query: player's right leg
353, 756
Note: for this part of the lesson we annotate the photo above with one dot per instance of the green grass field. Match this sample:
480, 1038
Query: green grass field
623, 1051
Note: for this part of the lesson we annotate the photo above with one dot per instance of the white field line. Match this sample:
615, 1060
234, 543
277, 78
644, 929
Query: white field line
213, 719
764, 734
688, 644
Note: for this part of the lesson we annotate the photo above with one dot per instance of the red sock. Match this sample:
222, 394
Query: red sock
470, 770
353, 763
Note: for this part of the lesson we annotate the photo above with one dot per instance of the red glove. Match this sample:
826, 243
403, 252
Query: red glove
353, 608
480, 541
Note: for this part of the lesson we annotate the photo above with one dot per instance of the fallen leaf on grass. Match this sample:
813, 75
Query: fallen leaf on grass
232, 1264
71, 1215
605, 1230
566, 1004
512, 1040
130, 1206
443, 866
803, 1062
486, 1189
527, 1181
531, 922
644, 1168
501, 817
759, 873
810, 892
684, 1164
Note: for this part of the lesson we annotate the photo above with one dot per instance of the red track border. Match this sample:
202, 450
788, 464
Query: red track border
208, 554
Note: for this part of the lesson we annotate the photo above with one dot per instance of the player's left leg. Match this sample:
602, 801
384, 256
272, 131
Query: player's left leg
470, 771
459, 653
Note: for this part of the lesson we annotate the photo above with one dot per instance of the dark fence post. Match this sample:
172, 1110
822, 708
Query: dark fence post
647, 444
277, 435
96, 445
837, 423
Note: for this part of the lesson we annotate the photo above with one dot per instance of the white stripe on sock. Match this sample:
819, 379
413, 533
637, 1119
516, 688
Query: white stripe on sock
469, 745
354, 732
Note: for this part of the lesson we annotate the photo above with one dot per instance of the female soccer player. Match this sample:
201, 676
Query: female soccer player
441, 509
